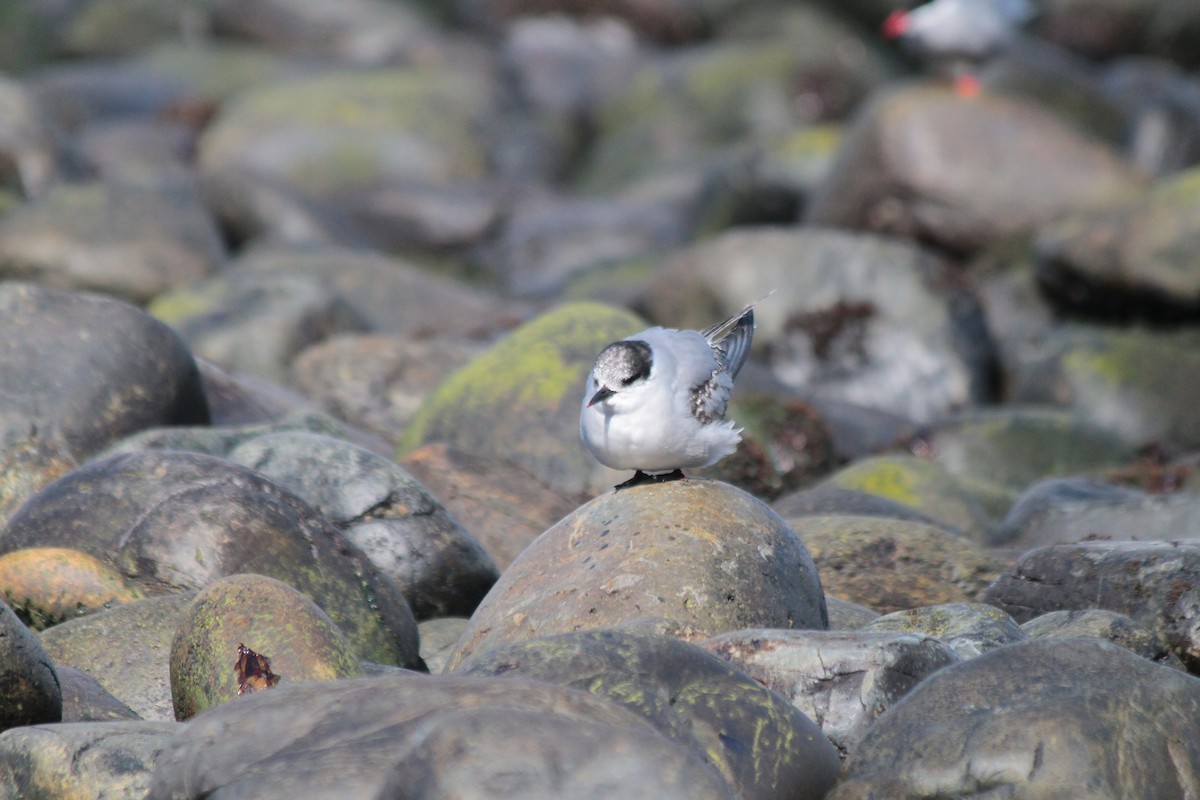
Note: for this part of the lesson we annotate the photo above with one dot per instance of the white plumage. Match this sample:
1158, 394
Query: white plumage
655, 402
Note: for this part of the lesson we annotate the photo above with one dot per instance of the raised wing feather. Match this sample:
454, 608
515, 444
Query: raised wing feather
730, 339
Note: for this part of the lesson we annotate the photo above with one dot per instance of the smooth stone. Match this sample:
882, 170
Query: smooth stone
829, 499
81, 759
149, 153
237, 398
504, 507
333, 132
385, 512
267, 212
546, 241
127, 650
1071, 510
73, 92
847, 317
82, 371
48, 585
1109, 625
1036, 719
26, 142
221, 440
1130, 383
761, 745
664, 22
394, 295
377, 382
374, 730
1154, 583
969, 629
997, 453
913, 160
1135, 261
299, 640
171, 520
469, 753
689, 557
438, 639
116, 238
430, 218
841, 680
683, 112
847, 616
891, 564
84, 699
922, 485
356, 32
108, 30
30, 693
565, 67
1163, 102
255, 322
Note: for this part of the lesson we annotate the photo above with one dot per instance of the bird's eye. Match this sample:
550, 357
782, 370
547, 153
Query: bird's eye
629, 380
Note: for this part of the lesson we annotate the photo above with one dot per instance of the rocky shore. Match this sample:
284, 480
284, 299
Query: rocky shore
297, 302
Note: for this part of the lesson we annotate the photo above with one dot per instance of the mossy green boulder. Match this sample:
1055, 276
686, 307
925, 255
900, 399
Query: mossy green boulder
519, 400
298, 639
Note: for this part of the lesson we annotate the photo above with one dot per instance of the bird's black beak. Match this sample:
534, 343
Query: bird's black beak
600, 396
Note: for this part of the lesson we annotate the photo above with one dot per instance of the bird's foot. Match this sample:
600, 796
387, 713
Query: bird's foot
640, 477
967, 85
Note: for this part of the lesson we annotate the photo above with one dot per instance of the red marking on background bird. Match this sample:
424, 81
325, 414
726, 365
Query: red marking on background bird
896, 24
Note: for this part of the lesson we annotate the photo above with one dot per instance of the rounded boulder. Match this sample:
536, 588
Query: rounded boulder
690, 558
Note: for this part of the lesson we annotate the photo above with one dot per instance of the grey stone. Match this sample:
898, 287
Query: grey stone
969, 629
1036, 720
761, 745
30, 692
842, 680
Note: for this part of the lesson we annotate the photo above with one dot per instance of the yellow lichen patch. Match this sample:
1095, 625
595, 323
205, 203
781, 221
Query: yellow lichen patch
182, 303
47, 585
534, 370
888, 478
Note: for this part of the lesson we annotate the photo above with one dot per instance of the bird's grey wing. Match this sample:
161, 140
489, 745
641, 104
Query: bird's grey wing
1018, 11
709, 399
730, 339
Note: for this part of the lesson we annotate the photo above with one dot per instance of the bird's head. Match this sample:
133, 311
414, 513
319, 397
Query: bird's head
896, 24
620, 366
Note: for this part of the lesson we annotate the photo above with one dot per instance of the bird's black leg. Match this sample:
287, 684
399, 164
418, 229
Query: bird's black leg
640, 477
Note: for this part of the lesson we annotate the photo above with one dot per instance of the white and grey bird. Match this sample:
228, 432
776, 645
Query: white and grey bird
655, 402
956, 36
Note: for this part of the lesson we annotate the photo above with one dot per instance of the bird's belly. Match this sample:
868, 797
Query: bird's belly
620, 444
